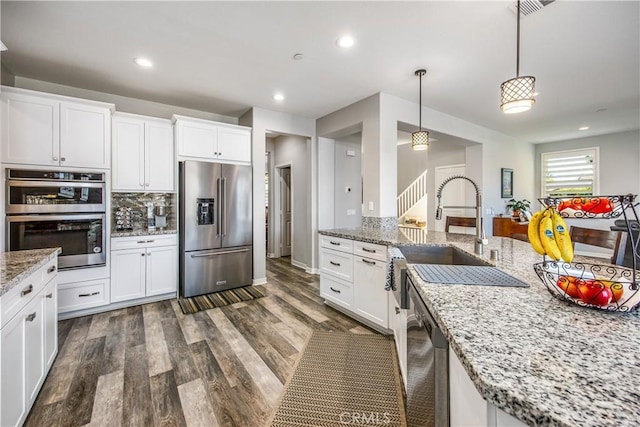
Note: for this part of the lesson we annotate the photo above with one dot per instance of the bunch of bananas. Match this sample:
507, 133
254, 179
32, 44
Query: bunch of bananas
549, 235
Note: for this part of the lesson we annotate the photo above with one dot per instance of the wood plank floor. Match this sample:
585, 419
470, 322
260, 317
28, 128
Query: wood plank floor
151, 365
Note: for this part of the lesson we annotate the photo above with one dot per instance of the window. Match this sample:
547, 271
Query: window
568, 173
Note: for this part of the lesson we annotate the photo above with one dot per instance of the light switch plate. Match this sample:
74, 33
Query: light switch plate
370, 206
351, 211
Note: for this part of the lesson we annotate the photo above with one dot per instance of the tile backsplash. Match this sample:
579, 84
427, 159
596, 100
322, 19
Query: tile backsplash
138, 204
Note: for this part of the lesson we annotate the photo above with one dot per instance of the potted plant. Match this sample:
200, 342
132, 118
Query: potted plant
518, 205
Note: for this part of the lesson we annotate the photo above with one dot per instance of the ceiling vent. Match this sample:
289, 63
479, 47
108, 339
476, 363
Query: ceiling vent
527, 7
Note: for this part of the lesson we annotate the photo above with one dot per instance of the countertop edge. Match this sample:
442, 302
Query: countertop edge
43, 259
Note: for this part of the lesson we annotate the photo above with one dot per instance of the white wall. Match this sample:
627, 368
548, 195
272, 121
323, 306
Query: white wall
123, 103
262, 120
348, 174
326, 183
293, 150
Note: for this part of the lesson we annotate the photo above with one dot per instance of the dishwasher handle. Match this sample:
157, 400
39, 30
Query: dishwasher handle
424, 316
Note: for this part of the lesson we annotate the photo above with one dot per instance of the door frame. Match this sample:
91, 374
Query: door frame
277, 203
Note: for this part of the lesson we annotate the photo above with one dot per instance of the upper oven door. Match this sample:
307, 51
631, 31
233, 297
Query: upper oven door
81, 237
26, 196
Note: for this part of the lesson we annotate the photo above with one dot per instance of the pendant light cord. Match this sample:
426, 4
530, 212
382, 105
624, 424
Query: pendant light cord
518, 44
420, 104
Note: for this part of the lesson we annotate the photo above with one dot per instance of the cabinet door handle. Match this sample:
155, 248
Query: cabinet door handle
51, 269
368, 262
63, 159
145, 241
92, 294
141, 254
55, 159
337, 264
397, 310
26, 291
334, 243
49, 295
31, 317
371, 251
335, 290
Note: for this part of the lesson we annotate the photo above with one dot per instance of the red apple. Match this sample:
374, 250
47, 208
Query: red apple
617, 290
595, 292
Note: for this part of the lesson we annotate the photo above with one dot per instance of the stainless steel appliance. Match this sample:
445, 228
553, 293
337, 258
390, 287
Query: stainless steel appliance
216, 227
427, 401
58, 209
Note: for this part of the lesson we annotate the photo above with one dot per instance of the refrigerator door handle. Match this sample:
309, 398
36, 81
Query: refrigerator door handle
224, 207
218, 253
219, 207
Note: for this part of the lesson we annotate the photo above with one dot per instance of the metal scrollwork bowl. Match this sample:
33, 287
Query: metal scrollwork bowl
602, 287
590, 206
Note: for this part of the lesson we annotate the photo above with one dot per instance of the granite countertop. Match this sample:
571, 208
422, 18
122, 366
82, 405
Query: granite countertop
141, 232
18, 265
542, 360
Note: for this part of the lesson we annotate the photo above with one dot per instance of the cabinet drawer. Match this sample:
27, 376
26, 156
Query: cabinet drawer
14, 300
336, 243
370, 250
136, 242
76, 296
337, 264
336, 290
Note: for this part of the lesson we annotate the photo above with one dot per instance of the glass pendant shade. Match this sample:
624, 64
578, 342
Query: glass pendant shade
517, 94
420, 140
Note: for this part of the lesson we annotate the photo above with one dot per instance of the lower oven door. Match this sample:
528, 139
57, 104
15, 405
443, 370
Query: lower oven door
427, 403
81, 237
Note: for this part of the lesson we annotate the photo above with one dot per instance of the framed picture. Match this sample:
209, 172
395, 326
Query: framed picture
506, 178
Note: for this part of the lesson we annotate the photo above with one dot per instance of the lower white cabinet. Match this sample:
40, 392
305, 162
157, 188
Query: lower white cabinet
355, 283
140, 268
398, 324
28, 346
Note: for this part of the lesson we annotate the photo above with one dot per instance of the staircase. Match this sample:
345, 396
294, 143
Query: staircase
412, 194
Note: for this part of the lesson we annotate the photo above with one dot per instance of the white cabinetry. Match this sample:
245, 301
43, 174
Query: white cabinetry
467, 407
143, 266
207, 140
28, 342
398, 324
49, 130
143, 154
355, 283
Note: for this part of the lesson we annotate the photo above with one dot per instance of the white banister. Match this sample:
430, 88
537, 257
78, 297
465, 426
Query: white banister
412, 194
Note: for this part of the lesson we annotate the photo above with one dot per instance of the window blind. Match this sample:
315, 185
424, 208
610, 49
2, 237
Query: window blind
568, 173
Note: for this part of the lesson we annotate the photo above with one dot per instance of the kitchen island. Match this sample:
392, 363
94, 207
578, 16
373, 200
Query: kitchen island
542, 360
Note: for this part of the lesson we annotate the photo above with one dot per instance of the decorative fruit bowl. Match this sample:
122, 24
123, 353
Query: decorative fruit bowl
590, 206
602, 287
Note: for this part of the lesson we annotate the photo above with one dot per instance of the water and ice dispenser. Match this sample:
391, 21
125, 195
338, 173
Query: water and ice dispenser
205, 211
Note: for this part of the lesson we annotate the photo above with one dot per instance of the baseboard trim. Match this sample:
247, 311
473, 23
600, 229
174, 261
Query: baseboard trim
299, 264
115, 306
313, 271
260, 281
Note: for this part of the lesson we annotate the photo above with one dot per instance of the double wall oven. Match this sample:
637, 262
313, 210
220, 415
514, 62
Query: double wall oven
58, 209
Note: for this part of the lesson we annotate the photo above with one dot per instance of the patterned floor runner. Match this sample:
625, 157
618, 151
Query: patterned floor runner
220, 299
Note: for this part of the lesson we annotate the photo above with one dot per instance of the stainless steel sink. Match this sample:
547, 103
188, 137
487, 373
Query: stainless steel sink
446, 255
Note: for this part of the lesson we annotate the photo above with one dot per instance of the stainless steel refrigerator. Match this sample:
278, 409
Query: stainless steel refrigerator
216, 227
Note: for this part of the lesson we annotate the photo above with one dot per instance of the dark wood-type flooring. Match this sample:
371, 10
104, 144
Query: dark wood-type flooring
151, 365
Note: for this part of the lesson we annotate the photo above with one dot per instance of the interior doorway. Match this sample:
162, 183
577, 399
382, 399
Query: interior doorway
285, 208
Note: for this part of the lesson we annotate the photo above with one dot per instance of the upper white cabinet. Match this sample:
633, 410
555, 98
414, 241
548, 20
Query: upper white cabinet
143, 154
207, 140
49, 130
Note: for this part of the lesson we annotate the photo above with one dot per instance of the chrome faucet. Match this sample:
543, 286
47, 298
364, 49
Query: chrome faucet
480, 236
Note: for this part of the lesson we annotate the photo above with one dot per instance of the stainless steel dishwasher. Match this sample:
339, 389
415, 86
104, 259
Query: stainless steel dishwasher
427, 401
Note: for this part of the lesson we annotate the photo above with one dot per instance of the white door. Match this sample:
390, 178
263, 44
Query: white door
159, 155
127, 274
162, 270
12, 372
30, 130
285, 212
85, 136
128, 154
33, 347
370, 298
454, 194
50, 296
197, 140
234, 144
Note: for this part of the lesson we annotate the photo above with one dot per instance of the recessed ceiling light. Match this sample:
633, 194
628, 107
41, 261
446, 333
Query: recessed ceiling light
583, 128
278, 97
143, 62
298, 56
346, 41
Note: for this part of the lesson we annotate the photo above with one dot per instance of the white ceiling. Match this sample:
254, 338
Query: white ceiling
225, 57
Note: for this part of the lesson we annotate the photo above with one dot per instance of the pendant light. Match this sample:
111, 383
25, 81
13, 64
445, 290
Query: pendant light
420, 139
517, 93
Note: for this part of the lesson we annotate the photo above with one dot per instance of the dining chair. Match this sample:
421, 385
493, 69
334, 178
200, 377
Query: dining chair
459, 221
600, 238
